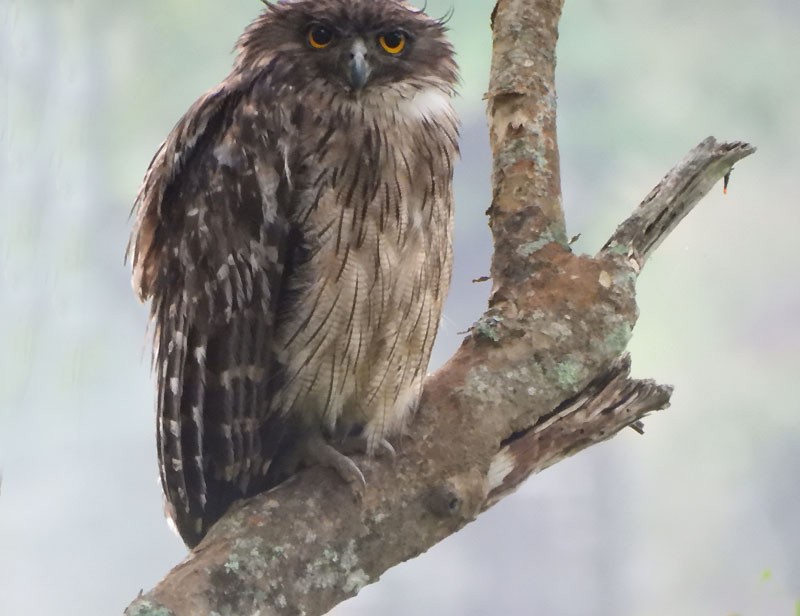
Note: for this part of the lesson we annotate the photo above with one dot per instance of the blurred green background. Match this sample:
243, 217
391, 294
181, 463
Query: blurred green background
699, 516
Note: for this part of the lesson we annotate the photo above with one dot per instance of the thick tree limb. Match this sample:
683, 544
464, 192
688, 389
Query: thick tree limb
542, 375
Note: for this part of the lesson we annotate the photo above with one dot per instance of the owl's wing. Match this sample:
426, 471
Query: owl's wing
209, 250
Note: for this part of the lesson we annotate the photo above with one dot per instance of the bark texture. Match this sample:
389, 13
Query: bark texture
541, 375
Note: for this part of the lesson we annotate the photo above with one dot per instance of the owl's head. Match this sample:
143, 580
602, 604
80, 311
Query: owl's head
354, 45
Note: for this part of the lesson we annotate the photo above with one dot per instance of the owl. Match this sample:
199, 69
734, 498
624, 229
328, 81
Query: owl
293, 237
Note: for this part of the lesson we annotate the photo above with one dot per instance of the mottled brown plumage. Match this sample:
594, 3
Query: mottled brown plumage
293, 234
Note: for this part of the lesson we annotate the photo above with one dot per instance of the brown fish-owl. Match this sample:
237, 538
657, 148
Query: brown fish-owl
293, 235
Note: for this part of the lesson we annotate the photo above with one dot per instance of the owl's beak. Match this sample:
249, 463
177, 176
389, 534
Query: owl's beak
358, 68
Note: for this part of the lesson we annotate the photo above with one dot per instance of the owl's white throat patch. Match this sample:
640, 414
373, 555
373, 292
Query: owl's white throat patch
426, 104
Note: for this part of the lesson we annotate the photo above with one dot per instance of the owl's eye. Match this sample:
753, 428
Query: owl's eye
393, 42
319, 37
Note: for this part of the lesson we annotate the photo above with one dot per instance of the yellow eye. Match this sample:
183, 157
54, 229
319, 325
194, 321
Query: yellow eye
393, 42
319, 37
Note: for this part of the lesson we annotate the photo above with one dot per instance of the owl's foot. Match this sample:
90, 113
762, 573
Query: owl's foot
318, 452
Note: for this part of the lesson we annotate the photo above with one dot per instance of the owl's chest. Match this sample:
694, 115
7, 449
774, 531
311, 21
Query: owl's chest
372, 191
373, 213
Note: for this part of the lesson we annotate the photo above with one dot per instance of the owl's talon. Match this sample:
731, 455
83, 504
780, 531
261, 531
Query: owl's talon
353, 445
385, 447
317, 452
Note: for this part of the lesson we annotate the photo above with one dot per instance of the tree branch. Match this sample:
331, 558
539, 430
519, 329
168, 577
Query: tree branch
673, 198
541, 375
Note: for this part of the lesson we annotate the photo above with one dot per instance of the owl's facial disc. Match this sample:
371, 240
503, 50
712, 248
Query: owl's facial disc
358, 69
